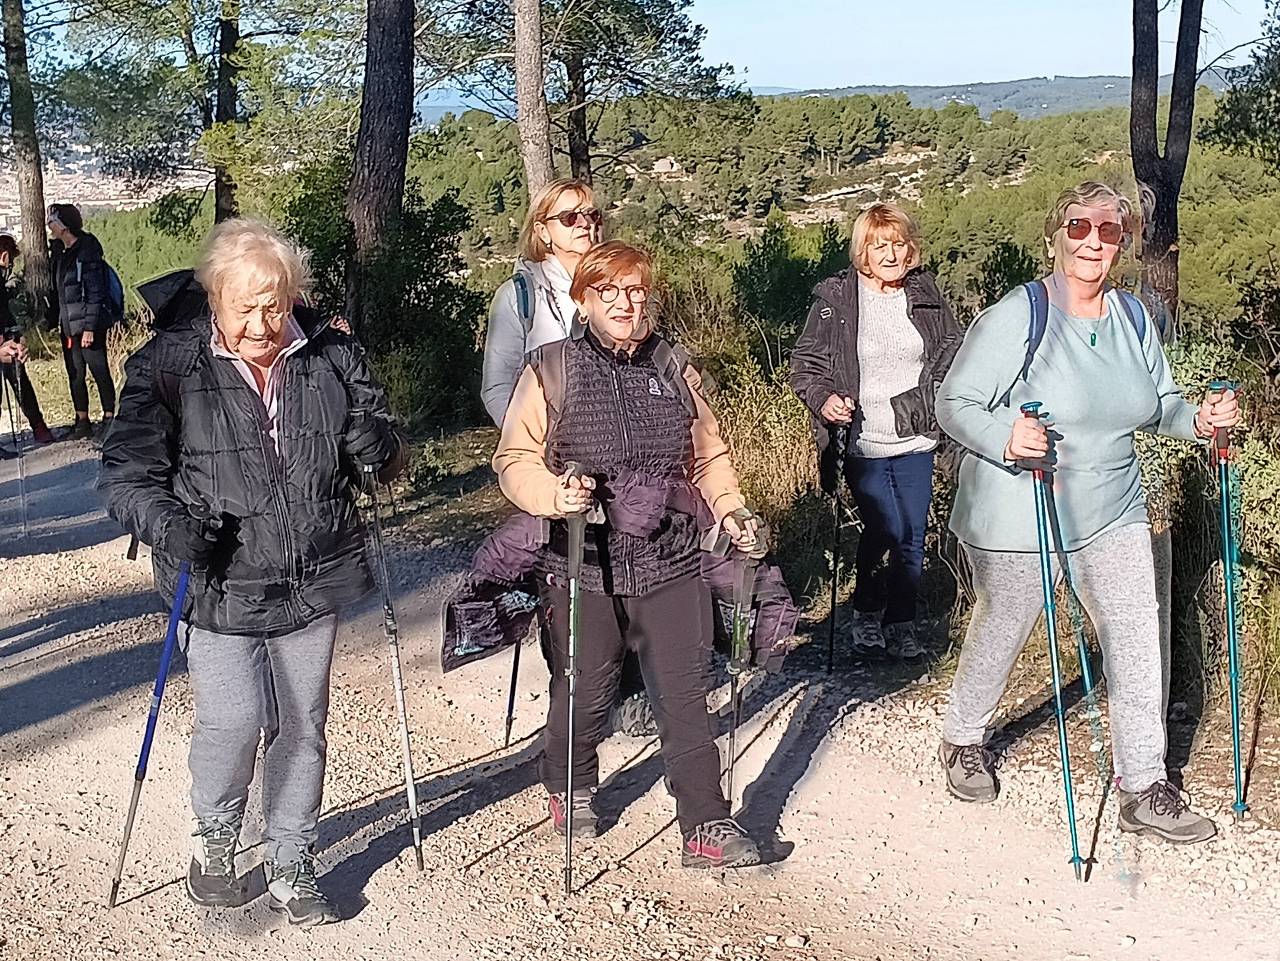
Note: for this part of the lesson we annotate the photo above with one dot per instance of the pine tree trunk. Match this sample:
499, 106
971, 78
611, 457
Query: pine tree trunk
532, 118
26, 161
375, 199
224, 187
579, 142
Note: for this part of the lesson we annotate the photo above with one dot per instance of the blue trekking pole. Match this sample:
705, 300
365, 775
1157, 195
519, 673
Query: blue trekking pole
1051, 628
162, 675
1222, 449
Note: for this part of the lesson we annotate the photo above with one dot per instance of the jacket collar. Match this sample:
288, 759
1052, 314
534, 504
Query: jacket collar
641, 355
841, 290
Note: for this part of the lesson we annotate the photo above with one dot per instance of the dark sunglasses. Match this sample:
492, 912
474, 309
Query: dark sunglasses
591, 217
1109, 232
608, 293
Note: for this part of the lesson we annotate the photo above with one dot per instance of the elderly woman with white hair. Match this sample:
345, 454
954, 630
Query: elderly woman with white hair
245, 428
1092, 356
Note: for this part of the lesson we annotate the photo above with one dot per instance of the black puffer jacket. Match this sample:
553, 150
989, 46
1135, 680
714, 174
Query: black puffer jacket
190, 431
825, 359
80, 285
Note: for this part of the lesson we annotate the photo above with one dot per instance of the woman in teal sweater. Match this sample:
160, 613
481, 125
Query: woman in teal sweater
1102, 376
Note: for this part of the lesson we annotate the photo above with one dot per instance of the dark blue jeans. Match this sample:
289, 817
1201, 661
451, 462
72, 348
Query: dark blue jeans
892, 494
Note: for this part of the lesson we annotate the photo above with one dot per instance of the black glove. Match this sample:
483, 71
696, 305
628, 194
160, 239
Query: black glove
190, 538
371, 442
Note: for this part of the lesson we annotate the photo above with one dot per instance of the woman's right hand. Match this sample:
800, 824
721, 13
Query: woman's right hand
1029, 440
574, 494
837, 409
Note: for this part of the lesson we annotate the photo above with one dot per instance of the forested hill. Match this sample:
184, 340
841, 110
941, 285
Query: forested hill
1029, 97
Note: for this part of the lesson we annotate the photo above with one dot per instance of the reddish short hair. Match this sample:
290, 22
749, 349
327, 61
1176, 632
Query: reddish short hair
609, 260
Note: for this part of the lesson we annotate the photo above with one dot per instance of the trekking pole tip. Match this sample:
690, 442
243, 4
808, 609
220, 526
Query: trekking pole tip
417, 856
115, 892
1239, 809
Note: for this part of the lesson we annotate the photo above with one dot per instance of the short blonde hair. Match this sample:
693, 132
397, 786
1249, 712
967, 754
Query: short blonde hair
1091, 193
531, 246
241, 245
878, 222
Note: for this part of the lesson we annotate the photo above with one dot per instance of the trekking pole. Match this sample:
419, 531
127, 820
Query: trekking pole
392, 631
1051, 628
743, 593
842, 443
1222, 453
12, 400
162, 675
511, 694
577, 542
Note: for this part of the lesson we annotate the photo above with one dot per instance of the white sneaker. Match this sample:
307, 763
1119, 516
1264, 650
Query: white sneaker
867, 634
902, 640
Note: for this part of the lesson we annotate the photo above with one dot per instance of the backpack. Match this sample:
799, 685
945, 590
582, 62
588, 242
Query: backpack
115, 289
524, 301
1038, 321
547, 362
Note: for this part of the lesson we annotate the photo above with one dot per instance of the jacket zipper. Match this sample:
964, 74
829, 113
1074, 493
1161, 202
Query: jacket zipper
275, 466
628, 561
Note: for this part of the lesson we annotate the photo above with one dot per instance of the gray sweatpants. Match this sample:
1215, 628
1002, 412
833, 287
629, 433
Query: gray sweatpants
1115, 579
274, 687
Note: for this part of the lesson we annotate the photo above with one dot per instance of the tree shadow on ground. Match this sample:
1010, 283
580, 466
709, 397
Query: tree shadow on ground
63, 509
62, 622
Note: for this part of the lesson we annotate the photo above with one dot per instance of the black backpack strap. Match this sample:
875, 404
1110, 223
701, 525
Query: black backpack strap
671, 361
524, 300
1037, 321
548, 364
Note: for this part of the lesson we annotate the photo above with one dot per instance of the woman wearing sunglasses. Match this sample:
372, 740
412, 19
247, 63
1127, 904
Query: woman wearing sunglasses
632, 416
1101, 373
533, 307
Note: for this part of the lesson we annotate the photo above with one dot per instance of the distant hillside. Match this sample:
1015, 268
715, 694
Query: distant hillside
1032, 97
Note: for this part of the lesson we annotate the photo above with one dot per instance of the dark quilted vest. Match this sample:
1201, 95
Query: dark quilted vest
617, 413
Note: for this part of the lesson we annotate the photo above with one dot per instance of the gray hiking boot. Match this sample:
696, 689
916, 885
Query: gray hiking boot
633, 716
1163, 811
970, 771
211, 879
866, 634
294, 893
902, 640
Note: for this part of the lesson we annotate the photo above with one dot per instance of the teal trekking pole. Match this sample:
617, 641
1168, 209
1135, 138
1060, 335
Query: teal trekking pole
1051, 628
1222, 453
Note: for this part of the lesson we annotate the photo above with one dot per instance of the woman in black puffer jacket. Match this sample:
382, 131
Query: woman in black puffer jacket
85, 313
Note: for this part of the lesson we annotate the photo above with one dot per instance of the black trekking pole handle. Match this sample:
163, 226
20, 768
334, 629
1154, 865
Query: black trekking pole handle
1222, 435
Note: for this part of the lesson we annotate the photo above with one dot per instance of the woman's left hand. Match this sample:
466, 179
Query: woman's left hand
1219, 409
86, 339
743, 528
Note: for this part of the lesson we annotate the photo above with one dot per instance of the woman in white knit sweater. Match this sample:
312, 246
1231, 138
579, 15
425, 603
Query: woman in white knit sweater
878, 340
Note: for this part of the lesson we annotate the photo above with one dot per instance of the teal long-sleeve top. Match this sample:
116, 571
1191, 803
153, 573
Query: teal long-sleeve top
1097, 396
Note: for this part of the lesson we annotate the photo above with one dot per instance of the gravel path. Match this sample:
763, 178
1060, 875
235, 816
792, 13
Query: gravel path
871, 859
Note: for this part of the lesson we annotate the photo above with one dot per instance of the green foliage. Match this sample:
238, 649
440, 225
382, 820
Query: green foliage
1249, 117
142, 244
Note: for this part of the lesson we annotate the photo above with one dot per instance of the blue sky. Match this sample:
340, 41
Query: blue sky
834, 43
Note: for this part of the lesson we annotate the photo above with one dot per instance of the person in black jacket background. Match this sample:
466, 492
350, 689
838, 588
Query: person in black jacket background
878, 340
246, 425
85, 313
13, 369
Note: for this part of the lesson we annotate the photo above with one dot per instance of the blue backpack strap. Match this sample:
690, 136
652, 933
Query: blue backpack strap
1037, 321
1133, 309
524, 300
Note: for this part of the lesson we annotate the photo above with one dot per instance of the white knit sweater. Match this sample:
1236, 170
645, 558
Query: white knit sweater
890, 359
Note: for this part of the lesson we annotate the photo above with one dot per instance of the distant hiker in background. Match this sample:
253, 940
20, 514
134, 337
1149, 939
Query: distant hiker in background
878, 340
1091, 354
89, 300
620, 401
246, 426
13, 359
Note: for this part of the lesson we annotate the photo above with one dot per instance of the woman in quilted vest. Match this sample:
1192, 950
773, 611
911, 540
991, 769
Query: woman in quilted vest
635, 429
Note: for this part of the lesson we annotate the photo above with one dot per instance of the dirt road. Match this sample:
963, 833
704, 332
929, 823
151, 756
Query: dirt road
871, 859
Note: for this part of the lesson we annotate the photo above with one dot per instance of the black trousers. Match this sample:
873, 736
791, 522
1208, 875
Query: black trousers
20, 384
94, 358
670, 631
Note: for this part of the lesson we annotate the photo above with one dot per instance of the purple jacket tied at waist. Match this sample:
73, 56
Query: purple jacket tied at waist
495, 605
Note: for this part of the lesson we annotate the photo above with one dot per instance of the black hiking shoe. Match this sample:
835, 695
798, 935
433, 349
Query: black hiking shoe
1162, 811
633, 717
211, 879
970, 771
585, 822
719, 844
82, 430
293, 892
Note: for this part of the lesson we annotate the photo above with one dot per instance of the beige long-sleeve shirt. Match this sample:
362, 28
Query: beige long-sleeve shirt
521, 465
